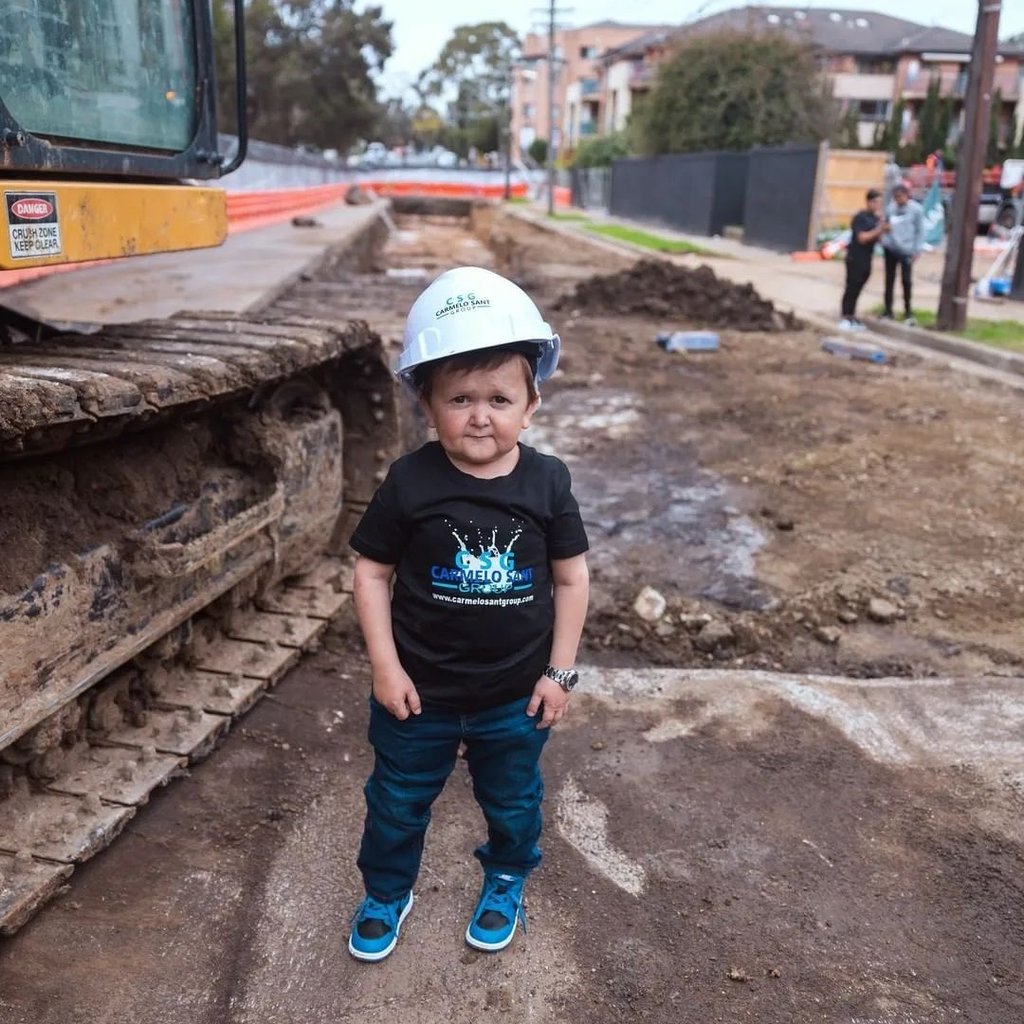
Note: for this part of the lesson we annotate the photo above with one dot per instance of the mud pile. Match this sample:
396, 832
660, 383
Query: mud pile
685, 297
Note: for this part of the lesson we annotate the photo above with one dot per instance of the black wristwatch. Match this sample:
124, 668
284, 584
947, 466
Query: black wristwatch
566, 678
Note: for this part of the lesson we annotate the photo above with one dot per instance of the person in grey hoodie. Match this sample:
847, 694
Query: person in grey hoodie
901, 245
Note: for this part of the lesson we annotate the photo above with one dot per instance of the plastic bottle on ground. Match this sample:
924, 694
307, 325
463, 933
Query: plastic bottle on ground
688, 341
851, 350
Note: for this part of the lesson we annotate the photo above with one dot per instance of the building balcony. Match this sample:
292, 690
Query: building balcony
954, 85
851, 85
642, 78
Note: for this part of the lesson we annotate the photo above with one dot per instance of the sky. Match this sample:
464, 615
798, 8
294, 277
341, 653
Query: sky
421, 27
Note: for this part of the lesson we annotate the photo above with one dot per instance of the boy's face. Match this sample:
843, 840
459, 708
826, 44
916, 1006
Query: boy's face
479, 414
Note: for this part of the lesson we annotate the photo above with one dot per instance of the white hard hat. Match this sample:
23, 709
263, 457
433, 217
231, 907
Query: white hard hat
470, 308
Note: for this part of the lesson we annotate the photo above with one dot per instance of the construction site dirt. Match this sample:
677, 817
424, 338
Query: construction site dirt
791, 784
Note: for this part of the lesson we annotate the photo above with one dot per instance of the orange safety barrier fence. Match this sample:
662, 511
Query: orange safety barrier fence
261, 207
444, 189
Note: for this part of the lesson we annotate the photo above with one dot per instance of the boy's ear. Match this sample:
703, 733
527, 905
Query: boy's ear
530, 410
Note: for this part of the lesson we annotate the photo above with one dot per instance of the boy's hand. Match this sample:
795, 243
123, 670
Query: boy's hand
395, 692
554, 699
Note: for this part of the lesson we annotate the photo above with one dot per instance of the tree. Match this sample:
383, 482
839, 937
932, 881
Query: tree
310, 66
889, 136
847, 132
945, 121
601, 150
994, 150
474, 71
395, 126
538, 152
733, 90
1018, 149
426, 127
933, 122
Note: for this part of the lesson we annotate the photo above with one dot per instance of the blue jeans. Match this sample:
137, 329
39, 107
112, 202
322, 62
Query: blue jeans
413, 761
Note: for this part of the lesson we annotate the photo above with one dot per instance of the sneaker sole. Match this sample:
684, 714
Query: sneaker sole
371, 958
491, 947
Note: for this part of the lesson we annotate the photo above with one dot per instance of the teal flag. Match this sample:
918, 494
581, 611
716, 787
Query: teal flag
934, 216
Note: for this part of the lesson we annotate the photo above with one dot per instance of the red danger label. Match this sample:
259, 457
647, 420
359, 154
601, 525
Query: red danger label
32, 209
33, 225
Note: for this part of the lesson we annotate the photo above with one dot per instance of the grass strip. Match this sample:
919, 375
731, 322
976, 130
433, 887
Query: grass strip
647, 240
1004, 334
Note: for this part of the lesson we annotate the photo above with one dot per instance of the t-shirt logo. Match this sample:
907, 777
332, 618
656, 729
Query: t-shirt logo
489, 569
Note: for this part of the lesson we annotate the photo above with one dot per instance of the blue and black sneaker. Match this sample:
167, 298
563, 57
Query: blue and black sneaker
497, 912
376, 925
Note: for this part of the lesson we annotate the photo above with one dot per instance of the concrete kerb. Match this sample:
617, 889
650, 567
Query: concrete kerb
935, 340
906, 338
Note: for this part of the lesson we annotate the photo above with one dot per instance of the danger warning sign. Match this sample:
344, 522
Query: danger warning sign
32, 224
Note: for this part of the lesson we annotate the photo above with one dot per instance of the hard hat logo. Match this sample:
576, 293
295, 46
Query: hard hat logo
460, 303
492, 311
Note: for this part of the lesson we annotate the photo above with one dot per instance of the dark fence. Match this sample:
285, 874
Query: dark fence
770, 192
781, 197
694, 192
591, 187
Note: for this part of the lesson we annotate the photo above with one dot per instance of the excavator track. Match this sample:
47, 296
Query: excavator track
176, 495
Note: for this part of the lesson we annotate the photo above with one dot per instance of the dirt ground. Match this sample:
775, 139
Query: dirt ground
757, 845
785, 490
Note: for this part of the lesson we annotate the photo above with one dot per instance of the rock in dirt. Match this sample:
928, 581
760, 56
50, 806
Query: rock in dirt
714, 634
828, 634
688, 296
649, 605
881, 610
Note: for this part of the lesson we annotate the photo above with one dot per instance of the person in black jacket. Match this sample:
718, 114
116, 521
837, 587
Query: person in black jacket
865, 231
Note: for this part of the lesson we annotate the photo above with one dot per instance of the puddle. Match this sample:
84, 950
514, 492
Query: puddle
654, 516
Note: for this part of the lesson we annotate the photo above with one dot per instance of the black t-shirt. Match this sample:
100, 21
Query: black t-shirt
472, 609
860, 252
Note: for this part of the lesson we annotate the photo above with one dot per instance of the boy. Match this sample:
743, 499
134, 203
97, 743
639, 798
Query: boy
865, 230
901, 245
485, 544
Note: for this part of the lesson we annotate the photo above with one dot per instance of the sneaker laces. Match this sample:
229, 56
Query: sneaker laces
501, 902
374, 918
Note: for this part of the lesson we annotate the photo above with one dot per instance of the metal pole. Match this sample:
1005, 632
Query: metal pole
551, 108
956, 272
508, 132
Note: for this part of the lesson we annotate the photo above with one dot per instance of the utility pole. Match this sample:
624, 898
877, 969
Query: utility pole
506, 128
551, 108
956, 272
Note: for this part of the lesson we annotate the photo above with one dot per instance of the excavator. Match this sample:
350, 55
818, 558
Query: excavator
170, 490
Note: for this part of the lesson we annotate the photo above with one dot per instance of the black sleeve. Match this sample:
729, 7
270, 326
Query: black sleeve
381, 532
566, 534
862, 222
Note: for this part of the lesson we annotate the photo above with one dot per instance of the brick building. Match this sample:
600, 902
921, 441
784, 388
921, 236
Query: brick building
873, 60
577, 102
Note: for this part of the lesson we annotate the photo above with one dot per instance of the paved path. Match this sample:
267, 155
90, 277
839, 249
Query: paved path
816, 286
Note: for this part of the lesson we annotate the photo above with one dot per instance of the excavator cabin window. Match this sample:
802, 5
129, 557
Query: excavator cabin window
118, 72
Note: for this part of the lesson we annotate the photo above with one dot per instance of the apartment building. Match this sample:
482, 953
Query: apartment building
576, 82
873, 61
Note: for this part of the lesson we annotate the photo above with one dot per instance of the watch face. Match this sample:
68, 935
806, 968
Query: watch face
570, 679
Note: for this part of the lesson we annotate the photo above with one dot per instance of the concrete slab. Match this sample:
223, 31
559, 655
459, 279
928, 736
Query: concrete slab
238, 275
